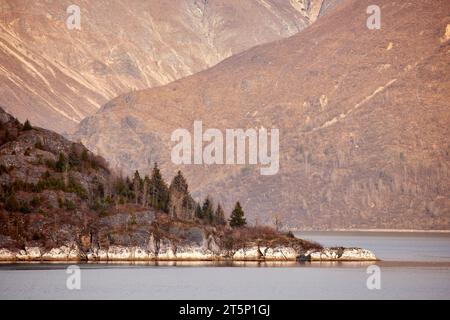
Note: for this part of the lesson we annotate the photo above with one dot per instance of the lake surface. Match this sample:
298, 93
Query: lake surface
414, 266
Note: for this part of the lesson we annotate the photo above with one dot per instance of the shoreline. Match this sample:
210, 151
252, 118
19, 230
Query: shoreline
378, 230
255, 253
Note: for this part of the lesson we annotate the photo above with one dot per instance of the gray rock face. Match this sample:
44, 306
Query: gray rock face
125, 218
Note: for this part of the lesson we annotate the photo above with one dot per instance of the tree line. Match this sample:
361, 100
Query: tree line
173, 199
148, 191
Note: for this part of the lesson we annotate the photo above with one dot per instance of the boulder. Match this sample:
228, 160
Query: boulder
280, 253
338, 254
7, 255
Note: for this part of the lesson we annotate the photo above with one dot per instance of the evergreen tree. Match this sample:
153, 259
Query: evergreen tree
146, 185
179, 183
74, 157
208, 211
181, 202
27, 126
198, 211
62, 164
237, 218
158, 191
120, 189
129, 189
137, 182
219, 216
188, 206
12, 204
85, 156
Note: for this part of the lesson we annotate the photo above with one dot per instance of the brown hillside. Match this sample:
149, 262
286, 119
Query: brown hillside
56, 77
363, 117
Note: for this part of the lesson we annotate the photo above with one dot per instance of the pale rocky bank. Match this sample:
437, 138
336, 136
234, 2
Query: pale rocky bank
208, 251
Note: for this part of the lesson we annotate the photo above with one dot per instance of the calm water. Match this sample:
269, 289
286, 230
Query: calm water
414, 266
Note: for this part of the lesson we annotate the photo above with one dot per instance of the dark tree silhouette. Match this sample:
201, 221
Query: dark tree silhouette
237, 218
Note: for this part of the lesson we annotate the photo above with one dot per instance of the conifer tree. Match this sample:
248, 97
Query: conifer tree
181, 203
27, 126
158, 191
128, 191
137, 181
219, 216
12, 204
188, 206
208, 211
62, 164
146, 185
198, 211
237, 218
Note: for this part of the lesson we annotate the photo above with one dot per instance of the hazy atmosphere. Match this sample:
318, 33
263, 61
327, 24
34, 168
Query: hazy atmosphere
151, 148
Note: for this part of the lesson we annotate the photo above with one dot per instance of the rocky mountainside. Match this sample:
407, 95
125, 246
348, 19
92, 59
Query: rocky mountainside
55, 76
363, 118
47, 185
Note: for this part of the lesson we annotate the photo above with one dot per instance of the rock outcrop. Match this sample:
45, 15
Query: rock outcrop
338, 254
71, 252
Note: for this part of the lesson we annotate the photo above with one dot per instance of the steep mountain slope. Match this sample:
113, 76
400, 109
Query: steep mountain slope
56, 76
363, 116
42, 200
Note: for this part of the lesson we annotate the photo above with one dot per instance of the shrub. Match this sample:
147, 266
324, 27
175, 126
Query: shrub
11, 204
35, 202
8, 136
39, 145
101, 207
50, 164
5, 169
37, 235
51, 183
133, 220
62, 164
74, 160
23, 186
99, 162
25, 208
48, 182
60, 202
70, 205
77, 188
85, 156
27, 126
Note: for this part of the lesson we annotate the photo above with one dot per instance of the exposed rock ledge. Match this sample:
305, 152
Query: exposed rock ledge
338, 254
71, 252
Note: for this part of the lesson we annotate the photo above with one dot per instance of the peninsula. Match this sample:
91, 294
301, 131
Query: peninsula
61, 202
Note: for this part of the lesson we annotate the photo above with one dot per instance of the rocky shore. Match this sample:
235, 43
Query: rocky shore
72, 252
